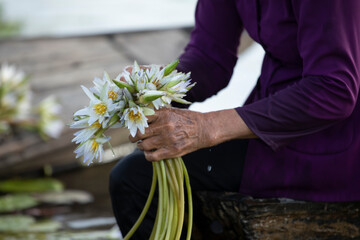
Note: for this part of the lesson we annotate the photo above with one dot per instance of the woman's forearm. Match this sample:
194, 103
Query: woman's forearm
225, 125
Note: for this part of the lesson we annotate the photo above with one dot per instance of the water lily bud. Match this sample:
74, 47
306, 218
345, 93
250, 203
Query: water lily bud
150, 96
136, 67
180, 100
171, 67
172, 83
123, 85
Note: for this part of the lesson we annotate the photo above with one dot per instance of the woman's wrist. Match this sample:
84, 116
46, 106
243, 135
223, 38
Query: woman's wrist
225, 125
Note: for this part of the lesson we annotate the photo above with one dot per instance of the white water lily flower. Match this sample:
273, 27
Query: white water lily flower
80, 122
135, 119
98, 86
99, 109
158, 103
113, 92
155, 75
53, 128
129, 77
50, 124
86, 133
50, 106
9, 74
92, 149
182, 87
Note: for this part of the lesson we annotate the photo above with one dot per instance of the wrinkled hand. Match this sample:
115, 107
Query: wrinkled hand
173, 133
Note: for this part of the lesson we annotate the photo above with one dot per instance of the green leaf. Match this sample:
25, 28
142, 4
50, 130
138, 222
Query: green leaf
10, 203
122, 85
15, 223
171, 67
31, 185
66, 197
44, 226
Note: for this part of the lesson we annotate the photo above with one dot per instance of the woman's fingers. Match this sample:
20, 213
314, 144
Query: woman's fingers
150, 144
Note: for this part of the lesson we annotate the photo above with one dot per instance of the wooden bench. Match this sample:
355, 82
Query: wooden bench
234, 216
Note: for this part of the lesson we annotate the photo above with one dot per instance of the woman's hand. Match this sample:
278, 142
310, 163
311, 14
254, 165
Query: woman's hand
175, 132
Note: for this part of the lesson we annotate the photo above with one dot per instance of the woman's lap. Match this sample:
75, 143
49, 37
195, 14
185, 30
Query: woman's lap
217, 168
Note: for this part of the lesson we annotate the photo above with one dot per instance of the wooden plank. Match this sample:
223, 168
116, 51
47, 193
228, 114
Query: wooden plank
157, 47
234, 216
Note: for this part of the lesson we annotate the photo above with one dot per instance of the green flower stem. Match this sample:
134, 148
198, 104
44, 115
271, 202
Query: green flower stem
171, 172
176, 195
170, 175
152, 235
181, 198
172, 184
175, 218
160, 202
190, 206
146, 207
165, 201
170, 214
114, 119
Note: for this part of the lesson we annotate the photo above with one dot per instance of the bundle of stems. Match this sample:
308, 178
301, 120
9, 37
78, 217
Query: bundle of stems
170, 175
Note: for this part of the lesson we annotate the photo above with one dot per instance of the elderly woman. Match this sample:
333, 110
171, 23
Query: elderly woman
297, 136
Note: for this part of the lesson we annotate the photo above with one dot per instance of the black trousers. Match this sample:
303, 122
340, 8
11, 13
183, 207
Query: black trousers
217, 168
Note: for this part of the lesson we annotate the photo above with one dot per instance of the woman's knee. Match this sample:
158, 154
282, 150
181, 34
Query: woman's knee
130, 171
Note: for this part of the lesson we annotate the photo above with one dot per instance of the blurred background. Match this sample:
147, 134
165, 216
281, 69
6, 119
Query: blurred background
57, 46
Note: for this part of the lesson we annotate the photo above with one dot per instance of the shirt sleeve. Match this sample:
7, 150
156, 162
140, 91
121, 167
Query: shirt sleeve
211, 54
329, 45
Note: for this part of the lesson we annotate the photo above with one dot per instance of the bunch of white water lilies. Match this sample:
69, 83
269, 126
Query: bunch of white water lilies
16, 108
125, 102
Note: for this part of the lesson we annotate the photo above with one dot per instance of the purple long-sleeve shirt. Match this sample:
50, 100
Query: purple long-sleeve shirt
305, 106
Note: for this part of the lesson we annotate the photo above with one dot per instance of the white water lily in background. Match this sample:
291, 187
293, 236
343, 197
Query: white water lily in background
9, 74
49, 122
16, 107
53, 128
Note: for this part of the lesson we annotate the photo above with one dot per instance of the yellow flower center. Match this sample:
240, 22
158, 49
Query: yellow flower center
94, 146
112, 95
134, 117
96, 125
157, 83
100, 108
